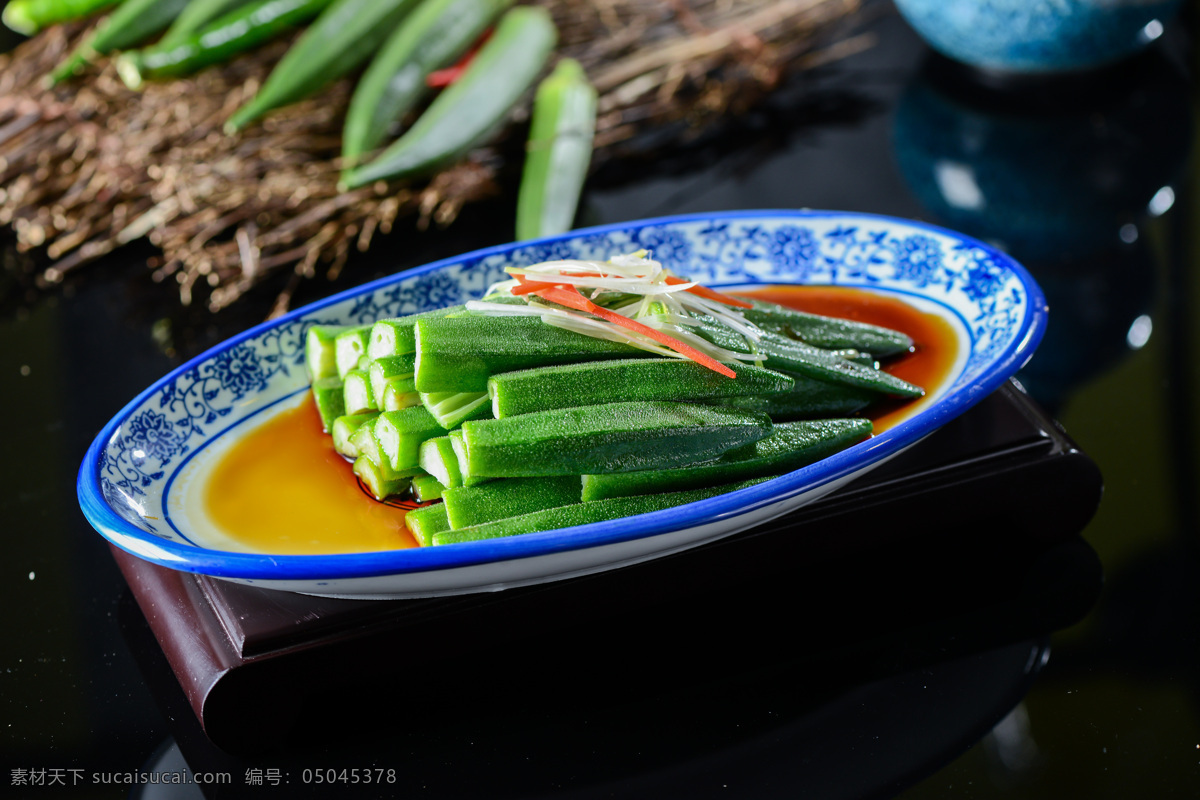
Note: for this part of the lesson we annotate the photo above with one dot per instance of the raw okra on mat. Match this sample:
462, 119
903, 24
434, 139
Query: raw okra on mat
540, 407
224, 38
27, 17
473, 106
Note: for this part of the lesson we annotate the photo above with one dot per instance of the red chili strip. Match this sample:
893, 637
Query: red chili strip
571, 298
441, 78
710, 294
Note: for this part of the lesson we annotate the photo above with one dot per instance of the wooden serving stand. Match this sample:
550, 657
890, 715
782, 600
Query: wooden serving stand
967, 541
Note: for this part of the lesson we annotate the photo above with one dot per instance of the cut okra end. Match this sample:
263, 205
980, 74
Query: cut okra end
130, 69
427, 488
378, 481
425, 523
343, 431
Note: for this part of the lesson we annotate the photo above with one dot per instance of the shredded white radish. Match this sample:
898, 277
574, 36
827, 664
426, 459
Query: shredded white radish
662, 306
700, 343
618, 284
502, 309
606, 330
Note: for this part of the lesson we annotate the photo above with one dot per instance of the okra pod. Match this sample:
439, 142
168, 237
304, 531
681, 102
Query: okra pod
343, 431
364, 443
460, 353
581, 514
320, 357
399, 393
797, 358
345, 35
426, 488
831, 333
437, 457
134, 22
808, 399
377, 479
558, 152
464, 114
400, 434
397, 336
357, 397
350, 345
385, 371
464, 468
586, 384
27, 17
238, 31
801, 359
196, 15
790, 446
329, 395
508, 497
451, 409
425, 523
432, 37
614, 437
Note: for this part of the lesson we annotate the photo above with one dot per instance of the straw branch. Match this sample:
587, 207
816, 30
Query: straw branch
91, 165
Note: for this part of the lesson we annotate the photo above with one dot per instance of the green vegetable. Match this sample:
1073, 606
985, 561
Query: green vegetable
464, 468
451, 409
27, 17
624, 379
427, 522
790, 446
378, 480
581, 514
801, 359
437, 457
459, 354
343, 430
364, 443
508, 497
195, 16
391, 368
349, 345
356, 393
330, 399
797, 358
238, 31
470, 109
320, 351
400, 434
558, 152
613, 437
426, 488
397, 336
809, 399
831, 333
432, 37
134, 22
399, 393
345, 35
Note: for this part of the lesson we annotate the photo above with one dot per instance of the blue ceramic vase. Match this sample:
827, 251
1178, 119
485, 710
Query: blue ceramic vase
1037, 36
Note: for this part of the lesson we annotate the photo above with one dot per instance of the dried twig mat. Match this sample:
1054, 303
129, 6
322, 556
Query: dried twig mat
91, 166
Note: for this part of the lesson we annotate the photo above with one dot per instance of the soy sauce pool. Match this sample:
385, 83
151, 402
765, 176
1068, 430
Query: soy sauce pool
283, 489
928, 365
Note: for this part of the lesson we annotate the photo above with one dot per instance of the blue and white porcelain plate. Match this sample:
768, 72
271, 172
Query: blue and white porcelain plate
135, 473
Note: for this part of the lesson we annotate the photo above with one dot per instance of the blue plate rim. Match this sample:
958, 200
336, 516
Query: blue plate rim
344, 566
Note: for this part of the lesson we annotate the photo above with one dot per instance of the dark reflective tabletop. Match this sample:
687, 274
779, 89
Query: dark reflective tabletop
958, 642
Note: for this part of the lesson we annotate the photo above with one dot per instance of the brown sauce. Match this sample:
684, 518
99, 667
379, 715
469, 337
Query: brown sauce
283, 488
935, 344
